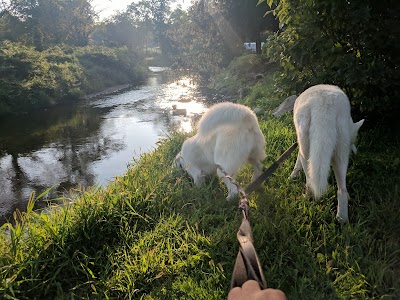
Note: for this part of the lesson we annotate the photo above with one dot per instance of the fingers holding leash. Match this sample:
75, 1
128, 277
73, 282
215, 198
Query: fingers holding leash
250, 290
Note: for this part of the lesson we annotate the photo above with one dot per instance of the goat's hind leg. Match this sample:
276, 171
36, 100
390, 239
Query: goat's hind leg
302, 124
340, 163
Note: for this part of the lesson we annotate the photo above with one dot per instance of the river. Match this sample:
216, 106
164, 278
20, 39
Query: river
90, 142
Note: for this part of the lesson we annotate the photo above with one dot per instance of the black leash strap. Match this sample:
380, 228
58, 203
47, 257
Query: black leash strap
247, 264
268, 172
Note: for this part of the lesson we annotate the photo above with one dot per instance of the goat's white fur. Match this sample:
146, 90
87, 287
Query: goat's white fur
228, 135
326, 134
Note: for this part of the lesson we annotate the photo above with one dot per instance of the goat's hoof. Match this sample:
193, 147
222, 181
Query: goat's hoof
231, 197
342, 219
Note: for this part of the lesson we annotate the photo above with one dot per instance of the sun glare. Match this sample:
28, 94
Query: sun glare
106, 8
179, 97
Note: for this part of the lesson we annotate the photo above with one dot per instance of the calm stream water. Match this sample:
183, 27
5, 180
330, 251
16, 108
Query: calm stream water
89, 143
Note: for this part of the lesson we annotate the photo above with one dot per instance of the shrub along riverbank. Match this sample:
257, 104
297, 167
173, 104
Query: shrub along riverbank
35, 80
152, 235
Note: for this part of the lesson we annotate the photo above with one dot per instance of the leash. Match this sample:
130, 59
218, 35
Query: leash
247, 265
268, 172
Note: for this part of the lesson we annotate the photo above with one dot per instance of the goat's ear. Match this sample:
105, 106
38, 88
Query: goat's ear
358, 125
354, 148
286, 106
177, 162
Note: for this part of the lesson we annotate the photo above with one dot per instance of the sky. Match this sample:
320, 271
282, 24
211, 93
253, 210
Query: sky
106, 8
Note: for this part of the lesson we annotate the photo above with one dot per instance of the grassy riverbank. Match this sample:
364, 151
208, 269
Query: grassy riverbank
152, 235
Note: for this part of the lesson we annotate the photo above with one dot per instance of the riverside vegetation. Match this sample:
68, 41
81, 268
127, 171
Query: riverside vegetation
152, 235
34, 79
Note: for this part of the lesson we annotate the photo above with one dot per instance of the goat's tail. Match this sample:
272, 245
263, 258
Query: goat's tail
323, 136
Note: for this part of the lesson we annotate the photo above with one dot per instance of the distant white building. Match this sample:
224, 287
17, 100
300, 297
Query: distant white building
251, 46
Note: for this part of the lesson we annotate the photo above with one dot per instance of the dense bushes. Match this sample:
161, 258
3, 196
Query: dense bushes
353, 44
31, 79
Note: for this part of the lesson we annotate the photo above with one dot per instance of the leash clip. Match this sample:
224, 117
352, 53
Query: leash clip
244, 205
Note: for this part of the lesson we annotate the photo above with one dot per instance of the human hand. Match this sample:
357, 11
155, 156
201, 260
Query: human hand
251, 290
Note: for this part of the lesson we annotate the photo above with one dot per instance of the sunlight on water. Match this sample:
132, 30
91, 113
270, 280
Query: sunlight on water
181, 99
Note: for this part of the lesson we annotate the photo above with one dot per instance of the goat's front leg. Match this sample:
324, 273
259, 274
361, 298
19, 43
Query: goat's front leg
196, 174
231, 187
257, 169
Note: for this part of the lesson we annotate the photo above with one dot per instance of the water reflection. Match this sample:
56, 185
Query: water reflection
89, 143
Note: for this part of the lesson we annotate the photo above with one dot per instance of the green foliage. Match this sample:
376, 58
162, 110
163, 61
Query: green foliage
152, 16
121, 31
352, 44
33, 79
200, 43
47, 23
243, 72
105, 67
206, 38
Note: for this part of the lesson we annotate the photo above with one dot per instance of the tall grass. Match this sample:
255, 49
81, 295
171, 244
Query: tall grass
152, 235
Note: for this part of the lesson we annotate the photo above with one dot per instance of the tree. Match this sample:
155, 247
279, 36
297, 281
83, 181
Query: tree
198, 41
79, 18
50, 22
353, 44
153, 15
11, 27
247, 19
119, 31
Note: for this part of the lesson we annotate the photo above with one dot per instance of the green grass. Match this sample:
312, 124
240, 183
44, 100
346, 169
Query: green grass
152, 235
